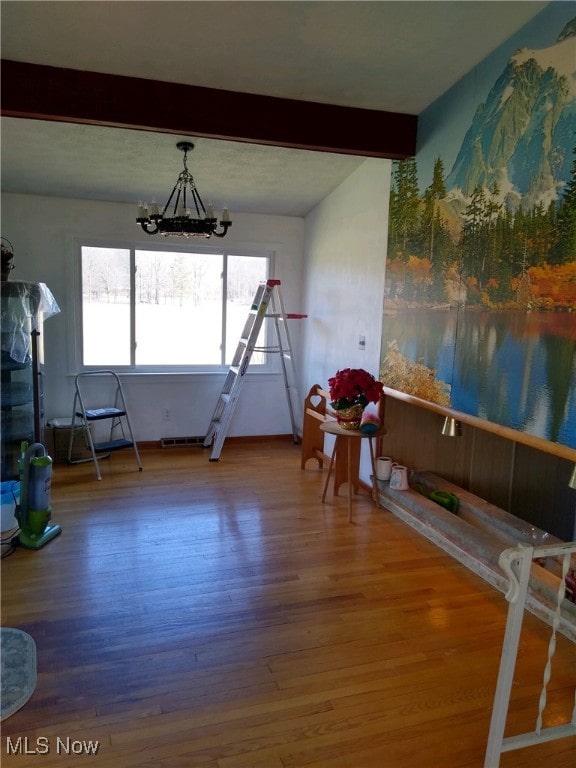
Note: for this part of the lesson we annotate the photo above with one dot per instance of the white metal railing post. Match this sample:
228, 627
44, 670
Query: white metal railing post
517, 564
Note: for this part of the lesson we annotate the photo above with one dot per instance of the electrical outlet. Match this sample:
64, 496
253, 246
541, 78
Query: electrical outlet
362, 343
166, 414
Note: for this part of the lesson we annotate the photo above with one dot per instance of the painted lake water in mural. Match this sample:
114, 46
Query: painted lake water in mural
515, 368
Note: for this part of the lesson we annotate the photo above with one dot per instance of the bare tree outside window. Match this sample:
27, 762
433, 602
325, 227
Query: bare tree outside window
188, 307
106, 306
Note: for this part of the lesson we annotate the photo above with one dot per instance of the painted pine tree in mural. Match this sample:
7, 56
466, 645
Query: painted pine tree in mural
435, 241
419, 240
564, 224
404, 208
491, 248
480, 284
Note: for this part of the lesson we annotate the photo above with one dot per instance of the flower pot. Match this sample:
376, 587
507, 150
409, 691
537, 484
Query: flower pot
350, 418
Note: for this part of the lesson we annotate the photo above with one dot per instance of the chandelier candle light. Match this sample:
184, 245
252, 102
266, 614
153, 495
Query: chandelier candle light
183, 222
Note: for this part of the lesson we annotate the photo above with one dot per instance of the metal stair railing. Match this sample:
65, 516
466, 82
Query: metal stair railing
517, 563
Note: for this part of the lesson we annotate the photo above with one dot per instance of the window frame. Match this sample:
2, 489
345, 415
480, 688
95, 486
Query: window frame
270, 364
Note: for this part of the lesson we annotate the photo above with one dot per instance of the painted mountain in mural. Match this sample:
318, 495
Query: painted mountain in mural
480, 289
522, 138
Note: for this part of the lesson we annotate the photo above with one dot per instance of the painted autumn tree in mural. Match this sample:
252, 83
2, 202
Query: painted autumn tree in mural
481, 269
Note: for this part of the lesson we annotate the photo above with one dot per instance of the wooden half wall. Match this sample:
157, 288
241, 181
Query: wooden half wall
525, 480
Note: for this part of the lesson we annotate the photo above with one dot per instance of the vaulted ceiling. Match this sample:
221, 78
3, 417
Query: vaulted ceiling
384, 56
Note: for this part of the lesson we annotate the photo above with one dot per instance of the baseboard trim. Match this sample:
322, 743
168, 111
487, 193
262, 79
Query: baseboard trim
194, 442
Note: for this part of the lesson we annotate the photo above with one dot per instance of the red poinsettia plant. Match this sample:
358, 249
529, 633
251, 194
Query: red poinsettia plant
353, 386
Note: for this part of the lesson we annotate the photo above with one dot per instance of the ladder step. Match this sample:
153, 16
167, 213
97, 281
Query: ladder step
94, 414
112, 445
289, 316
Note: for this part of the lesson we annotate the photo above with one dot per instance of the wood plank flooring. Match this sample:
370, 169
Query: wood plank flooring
216, 614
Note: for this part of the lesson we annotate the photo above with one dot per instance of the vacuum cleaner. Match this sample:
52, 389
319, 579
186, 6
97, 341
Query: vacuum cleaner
33, 511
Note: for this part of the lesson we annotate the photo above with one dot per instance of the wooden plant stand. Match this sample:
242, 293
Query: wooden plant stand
346, 457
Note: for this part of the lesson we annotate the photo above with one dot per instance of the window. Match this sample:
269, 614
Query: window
177, 309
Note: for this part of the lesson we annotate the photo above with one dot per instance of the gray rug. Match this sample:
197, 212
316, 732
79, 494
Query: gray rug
17, 670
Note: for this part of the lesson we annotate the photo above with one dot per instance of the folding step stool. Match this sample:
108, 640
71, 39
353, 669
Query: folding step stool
121, 435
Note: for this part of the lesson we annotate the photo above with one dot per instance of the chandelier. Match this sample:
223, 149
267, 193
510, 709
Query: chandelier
188, 216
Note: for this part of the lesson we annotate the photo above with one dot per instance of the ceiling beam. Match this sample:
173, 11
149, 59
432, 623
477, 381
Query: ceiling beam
40, 92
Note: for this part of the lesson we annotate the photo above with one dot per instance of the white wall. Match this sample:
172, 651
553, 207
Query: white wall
43, 231
331, 267
345, 259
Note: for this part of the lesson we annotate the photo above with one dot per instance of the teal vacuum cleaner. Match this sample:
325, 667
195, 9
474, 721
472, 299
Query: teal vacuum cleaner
33, 511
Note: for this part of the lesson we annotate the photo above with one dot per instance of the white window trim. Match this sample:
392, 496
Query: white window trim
75, 330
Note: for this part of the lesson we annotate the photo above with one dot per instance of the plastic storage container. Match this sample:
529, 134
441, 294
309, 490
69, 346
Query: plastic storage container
57, 439
10, 488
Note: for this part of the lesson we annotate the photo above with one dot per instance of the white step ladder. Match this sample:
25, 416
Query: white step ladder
120, 434
267, 303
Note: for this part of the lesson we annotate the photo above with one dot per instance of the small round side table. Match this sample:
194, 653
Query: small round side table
333, 428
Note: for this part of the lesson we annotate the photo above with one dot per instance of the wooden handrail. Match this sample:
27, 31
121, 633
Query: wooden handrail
539, 443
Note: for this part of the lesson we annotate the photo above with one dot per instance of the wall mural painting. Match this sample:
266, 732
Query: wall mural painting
480, 293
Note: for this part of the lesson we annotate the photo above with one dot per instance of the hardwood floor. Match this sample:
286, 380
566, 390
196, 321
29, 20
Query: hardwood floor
216, 614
